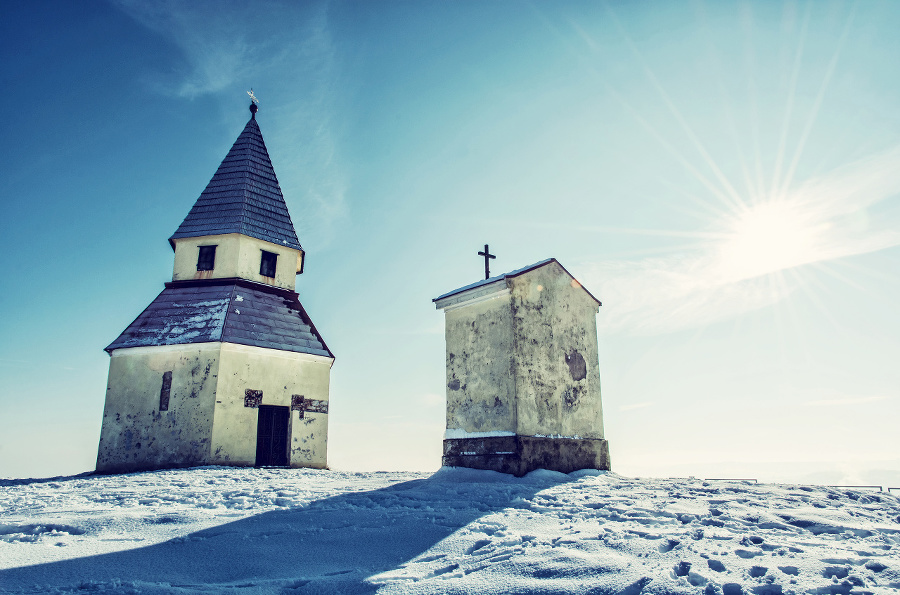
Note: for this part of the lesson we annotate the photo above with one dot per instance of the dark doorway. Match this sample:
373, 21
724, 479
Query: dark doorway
272, 436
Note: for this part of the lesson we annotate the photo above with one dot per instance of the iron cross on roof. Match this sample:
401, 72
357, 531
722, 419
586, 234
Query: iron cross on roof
487, 256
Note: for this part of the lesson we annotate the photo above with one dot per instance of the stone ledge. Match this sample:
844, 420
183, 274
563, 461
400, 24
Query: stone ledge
519, 455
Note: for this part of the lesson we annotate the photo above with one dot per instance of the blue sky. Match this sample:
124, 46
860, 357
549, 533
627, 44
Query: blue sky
723, 176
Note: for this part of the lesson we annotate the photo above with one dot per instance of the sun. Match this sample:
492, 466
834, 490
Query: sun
770, 237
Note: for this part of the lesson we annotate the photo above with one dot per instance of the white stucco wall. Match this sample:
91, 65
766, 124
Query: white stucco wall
523, 357
237, 255
480, 381
207, 422
135, 434
557, 373
279, 375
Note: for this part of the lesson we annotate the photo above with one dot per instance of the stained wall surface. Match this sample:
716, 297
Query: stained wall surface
135, 433
522, 357
237, 255
557, 372
279, 375
207, 421
480, 382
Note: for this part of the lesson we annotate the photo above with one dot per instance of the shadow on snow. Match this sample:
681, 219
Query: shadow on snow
329, 546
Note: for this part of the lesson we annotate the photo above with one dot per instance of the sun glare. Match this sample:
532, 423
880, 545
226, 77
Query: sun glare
769, 237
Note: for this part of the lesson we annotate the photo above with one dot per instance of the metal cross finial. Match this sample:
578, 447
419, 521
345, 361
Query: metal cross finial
252, 96
487, 257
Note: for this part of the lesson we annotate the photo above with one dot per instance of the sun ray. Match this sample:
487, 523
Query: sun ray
713, 56
768, 232
703, 235
813, 282
785, 288
734, 201
838, 145
730, 193
828, 270
750, 68
789, 107
695, 337
882, 299
592, 69
672, 151
790, 304
813, 113
702, 238
865, 270
697, 209
778, 321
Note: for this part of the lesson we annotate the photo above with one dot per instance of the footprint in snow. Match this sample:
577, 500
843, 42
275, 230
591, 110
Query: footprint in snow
758, 571
443, 570
791, 570
875, 566
837, 571
747, 554
715, 565
668, 546
477, 546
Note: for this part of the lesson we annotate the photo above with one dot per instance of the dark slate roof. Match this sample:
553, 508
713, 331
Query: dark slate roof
228, 310
511, 274
242, 197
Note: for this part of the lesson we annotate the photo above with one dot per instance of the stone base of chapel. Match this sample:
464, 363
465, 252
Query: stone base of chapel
519, 455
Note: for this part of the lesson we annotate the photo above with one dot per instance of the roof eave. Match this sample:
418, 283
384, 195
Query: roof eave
513, 274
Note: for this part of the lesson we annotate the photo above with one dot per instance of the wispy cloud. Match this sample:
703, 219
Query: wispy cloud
633, 406
286, 52
225, 42
743, 262
845, 401
215, 45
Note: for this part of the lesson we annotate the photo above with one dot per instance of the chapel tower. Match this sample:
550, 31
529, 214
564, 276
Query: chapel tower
224, 367
523, 373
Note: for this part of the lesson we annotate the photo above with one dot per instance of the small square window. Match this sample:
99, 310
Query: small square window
206, 261
267, 264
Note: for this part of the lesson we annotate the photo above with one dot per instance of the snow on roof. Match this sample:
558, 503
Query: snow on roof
510, 275
227, 310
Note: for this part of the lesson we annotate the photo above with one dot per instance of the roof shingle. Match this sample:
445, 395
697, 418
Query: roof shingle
227, 310
242, 197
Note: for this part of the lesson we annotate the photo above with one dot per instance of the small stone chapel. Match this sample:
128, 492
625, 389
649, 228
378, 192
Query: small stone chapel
225, 366
523, 373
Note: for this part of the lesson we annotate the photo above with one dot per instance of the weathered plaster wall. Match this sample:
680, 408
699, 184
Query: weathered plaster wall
135, 434
279, 375
557, 374
480, 384
237, 255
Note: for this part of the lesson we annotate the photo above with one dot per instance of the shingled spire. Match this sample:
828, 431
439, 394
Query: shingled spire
243, 196
213, 370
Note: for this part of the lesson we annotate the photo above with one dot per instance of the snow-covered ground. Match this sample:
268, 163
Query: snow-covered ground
456, 531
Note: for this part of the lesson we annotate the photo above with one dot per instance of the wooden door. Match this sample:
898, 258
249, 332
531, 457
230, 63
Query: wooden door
272, 436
